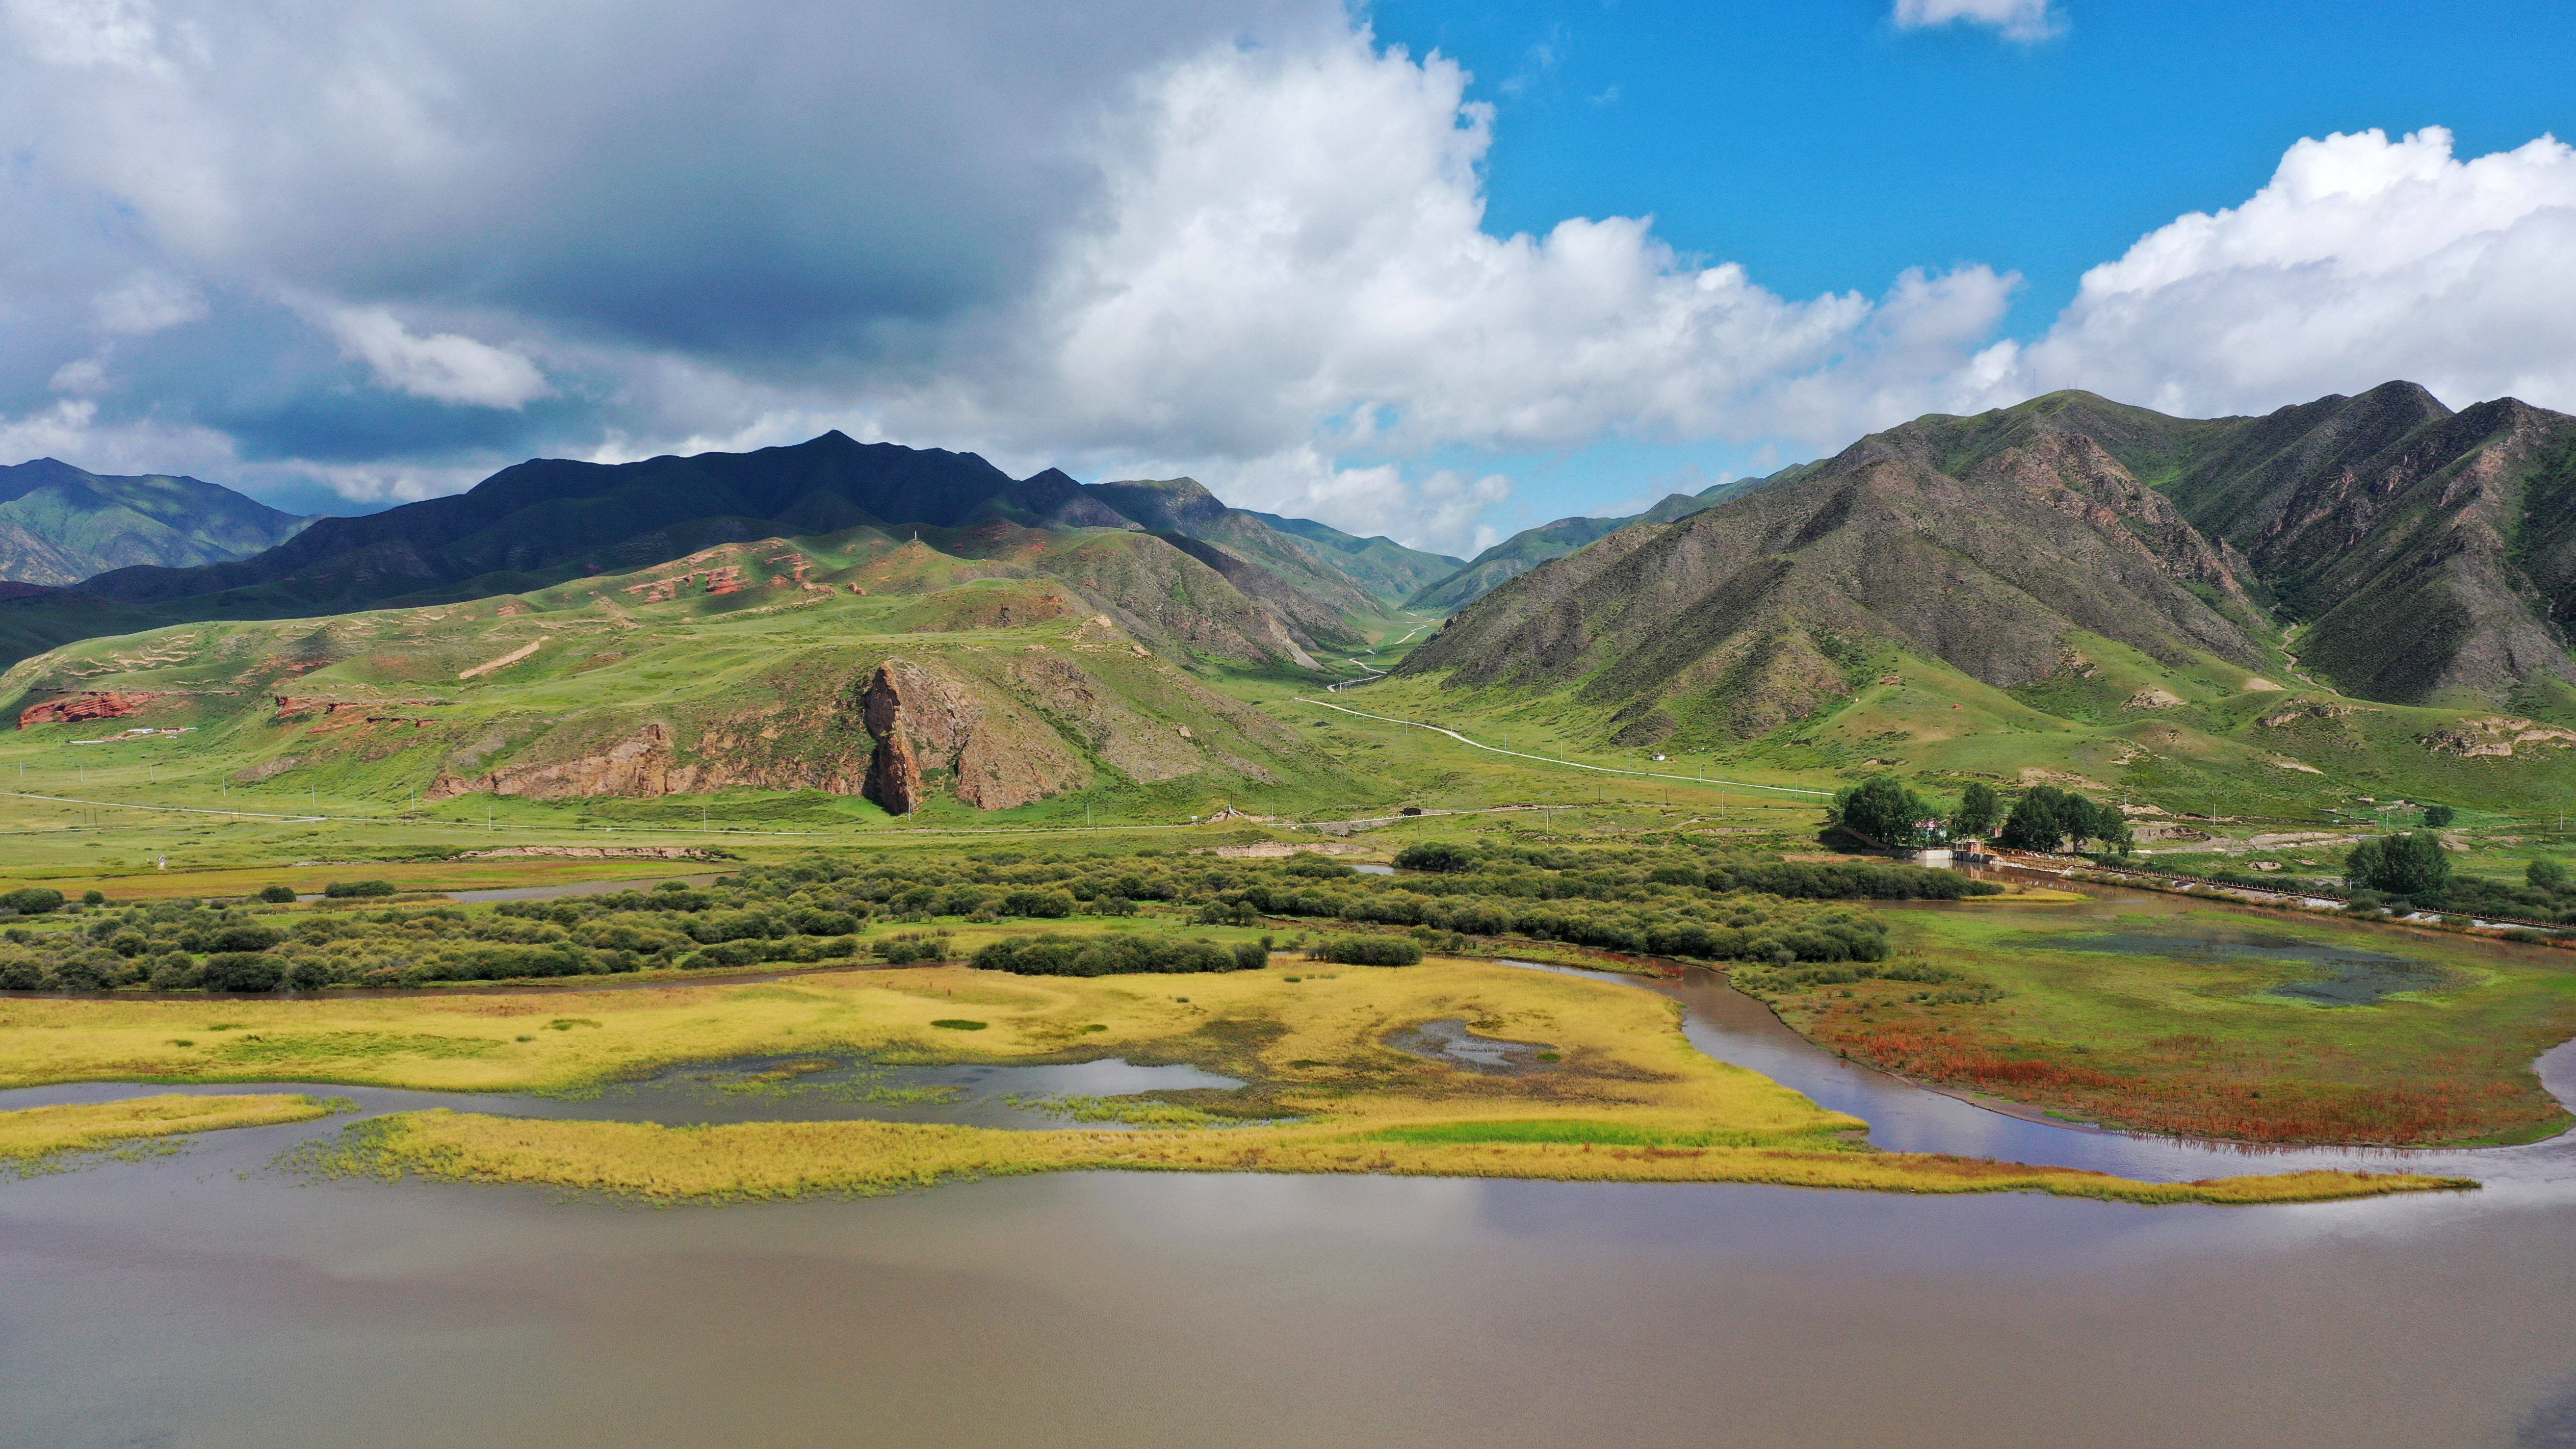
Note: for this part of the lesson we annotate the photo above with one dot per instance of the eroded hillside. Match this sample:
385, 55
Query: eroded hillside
994, 675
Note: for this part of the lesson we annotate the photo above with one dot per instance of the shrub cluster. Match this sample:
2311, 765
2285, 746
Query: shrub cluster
1669, 896
1368, 951
1121, 956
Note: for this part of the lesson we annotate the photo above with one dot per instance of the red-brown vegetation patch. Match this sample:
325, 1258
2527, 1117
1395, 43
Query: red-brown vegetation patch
2192, 1085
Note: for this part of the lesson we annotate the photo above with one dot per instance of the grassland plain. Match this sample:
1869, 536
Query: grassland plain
2182, 1023
1627, 1097
35, 1139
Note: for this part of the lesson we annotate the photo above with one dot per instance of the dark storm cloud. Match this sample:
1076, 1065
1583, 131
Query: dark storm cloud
442, 200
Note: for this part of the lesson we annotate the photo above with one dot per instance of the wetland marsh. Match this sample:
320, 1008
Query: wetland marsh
1482, 1201
250, 1306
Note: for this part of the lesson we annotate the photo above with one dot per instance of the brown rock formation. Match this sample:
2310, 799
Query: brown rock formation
894, 776
87, 705
639, 765
927, 718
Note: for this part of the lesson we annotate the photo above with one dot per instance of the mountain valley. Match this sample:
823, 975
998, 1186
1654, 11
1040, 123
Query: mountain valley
2351, 600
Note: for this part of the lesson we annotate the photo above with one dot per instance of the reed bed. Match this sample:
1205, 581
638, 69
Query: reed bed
35, 1139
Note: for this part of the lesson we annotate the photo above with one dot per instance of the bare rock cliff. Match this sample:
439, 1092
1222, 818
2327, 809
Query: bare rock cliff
929, 720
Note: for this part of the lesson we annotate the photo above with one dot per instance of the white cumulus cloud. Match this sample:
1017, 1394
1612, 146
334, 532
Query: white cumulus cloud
2363, 259
444, 367
2024, 20
146, 302
1292, 261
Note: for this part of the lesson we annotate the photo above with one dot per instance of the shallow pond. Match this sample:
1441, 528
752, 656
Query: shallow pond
2342, 975
803, 1088
1450, 1040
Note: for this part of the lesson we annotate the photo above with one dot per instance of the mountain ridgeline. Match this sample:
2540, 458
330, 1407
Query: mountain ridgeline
60, 524
1181, 570
1531, 547
910, 627
2380, 547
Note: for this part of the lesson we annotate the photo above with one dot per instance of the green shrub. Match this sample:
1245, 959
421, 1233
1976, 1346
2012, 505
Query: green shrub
1115, 956
2412, 864
242, 971
1438, 856
32, 900
1050, 904
345, 889
1368, 951
278, 895
244, 938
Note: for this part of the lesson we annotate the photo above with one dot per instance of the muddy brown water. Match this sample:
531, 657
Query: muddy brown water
204, 1299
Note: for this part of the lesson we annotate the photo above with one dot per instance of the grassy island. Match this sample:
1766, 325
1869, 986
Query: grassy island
33, 1139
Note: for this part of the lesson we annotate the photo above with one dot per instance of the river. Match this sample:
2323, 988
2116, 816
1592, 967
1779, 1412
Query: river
201, 1299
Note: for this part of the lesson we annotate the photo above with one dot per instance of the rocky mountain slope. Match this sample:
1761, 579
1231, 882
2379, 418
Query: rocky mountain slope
60, 524
2429, 556
1531, 547
972, 668
2383, 547
1359, 575
2423, 556
1746, 615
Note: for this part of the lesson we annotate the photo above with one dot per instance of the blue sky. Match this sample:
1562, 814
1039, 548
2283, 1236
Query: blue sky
1828, 150
1434, 269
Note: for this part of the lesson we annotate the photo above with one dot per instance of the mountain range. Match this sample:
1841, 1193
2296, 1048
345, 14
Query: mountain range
2382, 546
1531, 547
2357, 584
60, 524
910, 626
1189, 574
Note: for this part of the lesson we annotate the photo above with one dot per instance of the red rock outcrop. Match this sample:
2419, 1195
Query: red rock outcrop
637, 766
89, 704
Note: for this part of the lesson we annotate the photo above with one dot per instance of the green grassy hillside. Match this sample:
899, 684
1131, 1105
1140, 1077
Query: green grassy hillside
790, 670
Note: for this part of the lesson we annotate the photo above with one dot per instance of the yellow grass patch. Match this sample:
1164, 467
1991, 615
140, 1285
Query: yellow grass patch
32, 1135
758, 1160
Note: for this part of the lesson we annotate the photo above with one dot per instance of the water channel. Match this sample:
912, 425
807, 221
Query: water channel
203, 1299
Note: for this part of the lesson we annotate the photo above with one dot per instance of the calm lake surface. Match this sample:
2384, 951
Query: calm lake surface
202, 1299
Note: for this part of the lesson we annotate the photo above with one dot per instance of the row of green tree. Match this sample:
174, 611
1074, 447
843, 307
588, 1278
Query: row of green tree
2043, 818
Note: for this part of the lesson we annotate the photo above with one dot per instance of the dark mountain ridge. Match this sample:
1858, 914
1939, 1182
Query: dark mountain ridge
555, 518
1181, 568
